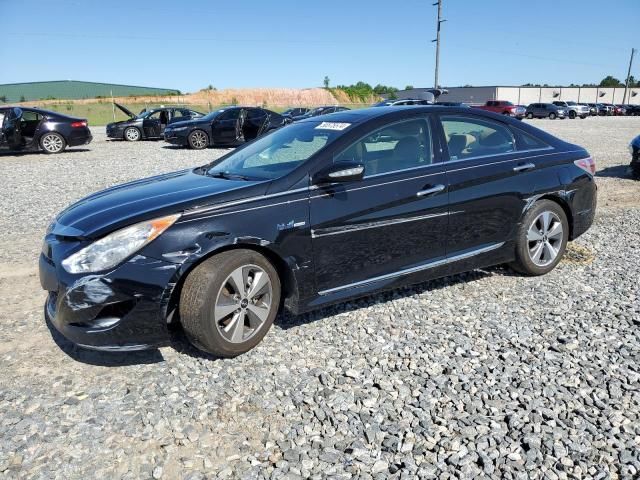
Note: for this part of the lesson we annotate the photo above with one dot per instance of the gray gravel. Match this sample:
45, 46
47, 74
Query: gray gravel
483, 374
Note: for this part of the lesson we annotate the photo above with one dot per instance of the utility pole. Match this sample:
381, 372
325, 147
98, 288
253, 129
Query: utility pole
437, 40
626, 84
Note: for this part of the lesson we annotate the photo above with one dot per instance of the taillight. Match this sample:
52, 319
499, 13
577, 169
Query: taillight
587, 164
83, 123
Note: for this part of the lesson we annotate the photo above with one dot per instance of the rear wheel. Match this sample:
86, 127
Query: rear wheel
198, 140
552, 116
542, 238
229, 302
52, 143
132, 134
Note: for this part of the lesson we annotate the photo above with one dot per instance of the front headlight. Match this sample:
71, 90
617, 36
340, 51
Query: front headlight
109, 251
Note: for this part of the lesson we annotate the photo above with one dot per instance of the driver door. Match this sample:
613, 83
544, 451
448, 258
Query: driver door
152, 125
228, 127
393, 220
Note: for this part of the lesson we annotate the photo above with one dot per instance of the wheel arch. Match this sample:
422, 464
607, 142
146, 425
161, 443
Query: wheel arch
564, 204
288, 282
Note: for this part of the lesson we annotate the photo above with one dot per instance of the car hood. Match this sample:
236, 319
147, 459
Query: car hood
125, 110
132, 202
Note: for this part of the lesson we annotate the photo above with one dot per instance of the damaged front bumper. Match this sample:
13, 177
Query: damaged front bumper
123, 309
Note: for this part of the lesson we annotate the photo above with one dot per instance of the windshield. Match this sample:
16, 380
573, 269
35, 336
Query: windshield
278, 153
145, 114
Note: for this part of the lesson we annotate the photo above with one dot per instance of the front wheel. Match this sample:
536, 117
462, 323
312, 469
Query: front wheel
229, 302
542, 239
132, 134
572, 114
530, 115
52, 143
552, 116
198, 140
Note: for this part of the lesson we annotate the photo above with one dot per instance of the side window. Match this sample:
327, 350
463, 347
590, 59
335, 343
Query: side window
529, 142
230, 114
476, 137
395, 147
177, 114
28, 116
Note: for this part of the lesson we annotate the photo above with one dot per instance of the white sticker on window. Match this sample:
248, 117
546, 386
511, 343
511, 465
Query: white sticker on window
332, 126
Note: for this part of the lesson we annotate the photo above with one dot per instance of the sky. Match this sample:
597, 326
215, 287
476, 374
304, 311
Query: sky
190, 44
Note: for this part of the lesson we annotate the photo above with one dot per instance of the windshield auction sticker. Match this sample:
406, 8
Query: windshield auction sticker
332, 126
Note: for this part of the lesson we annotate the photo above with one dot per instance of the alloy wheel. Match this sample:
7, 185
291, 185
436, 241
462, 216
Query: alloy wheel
243, 303
52, 143
132, 134
198, 139
544, 238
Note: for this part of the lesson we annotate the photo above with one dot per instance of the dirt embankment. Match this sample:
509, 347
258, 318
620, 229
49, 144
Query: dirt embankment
274, 97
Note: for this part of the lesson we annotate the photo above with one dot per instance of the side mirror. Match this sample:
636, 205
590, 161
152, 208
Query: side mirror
339, 172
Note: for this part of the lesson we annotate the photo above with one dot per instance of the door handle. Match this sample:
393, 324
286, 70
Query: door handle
430, 190
524, 167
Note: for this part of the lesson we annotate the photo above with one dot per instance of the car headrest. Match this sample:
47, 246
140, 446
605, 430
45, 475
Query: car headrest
407, 150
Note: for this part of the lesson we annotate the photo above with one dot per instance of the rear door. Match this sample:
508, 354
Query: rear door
489, 180
11, 134
392, 220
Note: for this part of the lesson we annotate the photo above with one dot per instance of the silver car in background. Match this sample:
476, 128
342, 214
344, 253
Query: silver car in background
574, 109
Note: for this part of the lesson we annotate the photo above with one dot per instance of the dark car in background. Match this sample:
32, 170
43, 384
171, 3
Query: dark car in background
319, 212
324, 110
633, 110
403, 101
148, 123
28, 129
225, 127
545, 110
605, 109
634, 149
295, 112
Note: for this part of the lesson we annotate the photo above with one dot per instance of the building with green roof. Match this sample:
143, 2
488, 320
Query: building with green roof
73, 90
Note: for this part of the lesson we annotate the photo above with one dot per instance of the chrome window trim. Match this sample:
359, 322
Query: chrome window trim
418, 268
448, 162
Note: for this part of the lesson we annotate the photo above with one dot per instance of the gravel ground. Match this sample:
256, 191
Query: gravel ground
483, 374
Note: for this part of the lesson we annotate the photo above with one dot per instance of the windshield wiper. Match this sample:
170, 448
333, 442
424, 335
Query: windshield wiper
229, 176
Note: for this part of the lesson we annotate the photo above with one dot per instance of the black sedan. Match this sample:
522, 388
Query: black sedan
318, 212
634, 149
315, 112
148, 123
24, 129
225, 127
295, 112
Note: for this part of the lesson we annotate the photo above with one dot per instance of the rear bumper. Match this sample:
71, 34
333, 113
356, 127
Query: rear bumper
124, 309
80, 137
584, 203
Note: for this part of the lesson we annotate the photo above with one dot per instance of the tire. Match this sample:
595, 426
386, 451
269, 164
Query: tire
583, 117
572, 114
198, 140
210, 307
52, 142
539, 249
131, 134
530, 116
552, 116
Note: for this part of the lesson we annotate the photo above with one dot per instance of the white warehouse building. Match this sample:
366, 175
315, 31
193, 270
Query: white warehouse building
527, 95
